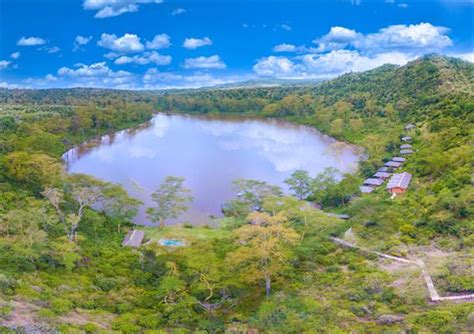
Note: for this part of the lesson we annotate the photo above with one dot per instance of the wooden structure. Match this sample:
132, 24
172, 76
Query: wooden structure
134, 238
399, 183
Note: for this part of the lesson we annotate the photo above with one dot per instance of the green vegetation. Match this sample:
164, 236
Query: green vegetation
269, 265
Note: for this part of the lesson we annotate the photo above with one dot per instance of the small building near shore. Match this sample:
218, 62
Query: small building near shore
406, 139
393, 164
405, 146
384, 169
410, 126
399, 183
134, 238
373, 182
406, 152
382, 175
398, 159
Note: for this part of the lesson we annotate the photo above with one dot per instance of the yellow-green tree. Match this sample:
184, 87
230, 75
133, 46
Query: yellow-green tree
264, 248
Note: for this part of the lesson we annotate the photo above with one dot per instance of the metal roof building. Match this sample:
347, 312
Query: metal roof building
398, 159
406, 138
133, 238
404, 146
366, 189
399, 182
393, 164
382, 175
373, 182
406, 152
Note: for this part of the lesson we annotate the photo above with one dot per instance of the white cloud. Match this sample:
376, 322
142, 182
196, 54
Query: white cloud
402, 5
274, 67
50, 77
194, 43
80, 41
15, 55
30, 41
8, 85
161, 41
4, 64
111, 8
53, 49
94, 70
285, 27
317, 66
178, 11
146, 58
423, 36
154, 79
284, 48
128, 43
465, 56
212, 62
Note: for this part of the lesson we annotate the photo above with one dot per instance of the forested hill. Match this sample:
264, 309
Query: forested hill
62, 264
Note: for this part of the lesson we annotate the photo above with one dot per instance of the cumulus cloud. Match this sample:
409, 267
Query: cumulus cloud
194, 43
212, 62
81, 41
15, 55
144, 59
94, 70
53, 49
284, 48
285, 27
423, 36
161, 41
178, 11
111, 8
274, 67
30, 41
128, 43
4, 64
327, 65
154, 79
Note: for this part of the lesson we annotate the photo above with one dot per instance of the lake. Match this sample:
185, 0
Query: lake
209, 152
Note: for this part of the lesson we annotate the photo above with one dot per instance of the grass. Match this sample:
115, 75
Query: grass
188, 234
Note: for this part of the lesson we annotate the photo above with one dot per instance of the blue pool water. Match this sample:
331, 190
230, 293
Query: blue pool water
171, 243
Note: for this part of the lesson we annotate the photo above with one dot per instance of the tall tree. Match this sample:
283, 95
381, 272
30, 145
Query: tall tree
171, 200
252, 192
300, 183
264, 249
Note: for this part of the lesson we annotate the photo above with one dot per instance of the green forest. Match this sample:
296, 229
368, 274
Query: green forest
271, 265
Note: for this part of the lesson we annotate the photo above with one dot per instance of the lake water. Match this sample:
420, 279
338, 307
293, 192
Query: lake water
209, 152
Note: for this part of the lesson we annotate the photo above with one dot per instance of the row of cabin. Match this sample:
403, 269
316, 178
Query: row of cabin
398, 182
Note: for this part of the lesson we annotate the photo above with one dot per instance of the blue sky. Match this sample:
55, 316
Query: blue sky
154, 44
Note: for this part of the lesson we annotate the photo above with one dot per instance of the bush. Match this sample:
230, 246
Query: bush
61, 306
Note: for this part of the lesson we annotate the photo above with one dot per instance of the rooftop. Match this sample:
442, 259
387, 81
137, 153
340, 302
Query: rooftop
401, 180
384, 169
406, 138
382, 175
393, 164
405, 152
398, 159
133, 238
410, 126
366, 189
405, 146
373, 182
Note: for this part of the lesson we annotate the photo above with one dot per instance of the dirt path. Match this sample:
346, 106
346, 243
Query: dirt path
434, 296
